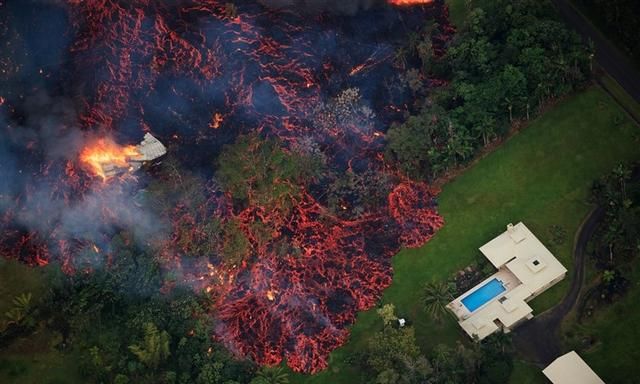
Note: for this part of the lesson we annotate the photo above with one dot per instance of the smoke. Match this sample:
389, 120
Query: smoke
40, 139
348, 7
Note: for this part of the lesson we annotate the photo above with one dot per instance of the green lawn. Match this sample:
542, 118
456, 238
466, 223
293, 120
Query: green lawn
17, 278
524, 373
31, 360
541, 176
615, 353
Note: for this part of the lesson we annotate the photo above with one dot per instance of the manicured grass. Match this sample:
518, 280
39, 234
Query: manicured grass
524, 373
541, 176
615, 354
17, 278
32, 359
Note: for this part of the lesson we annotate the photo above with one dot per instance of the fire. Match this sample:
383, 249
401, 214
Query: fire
216, 120
292, 303
403, 3
104, 153
271, 295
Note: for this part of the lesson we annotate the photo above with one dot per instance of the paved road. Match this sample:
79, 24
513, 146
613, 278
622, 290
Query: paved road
539, 338
608, 56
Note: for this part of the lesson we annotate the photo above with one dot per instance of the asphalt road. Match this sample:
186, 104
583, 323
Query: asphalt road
607, 55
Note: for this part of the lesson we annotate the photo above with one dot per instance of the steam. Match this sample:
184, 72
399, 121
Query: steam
35, 192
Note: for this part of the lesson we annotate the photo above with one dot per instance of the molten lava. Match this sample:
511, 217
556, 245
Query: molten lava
197, 76
409, 2
104, 154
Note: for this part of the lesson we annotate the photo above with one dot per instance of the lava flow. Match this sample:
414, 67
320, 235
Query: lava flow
200, 73
410, 2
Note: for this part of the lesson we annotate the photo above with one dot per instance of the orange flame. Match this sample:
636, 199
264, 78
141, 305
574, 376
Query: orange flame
216, 120
402, 3
105, 152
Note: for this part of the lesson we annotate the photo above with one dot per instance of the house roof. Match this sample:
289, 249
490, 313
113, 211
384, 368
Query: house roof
571, 369
520, 251
525, 269
150, 148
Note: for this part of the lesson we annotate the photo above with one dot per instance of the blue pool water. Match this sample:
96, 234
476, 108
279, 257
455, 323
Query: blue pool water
483, 295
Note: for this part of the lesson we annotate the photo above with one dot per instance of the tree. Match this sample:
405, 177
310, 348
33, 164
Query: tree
273, 375
387, 313
388, 376
436, 296
19, 313
259, 171
389, 348
155, 348
235, 246
608, 276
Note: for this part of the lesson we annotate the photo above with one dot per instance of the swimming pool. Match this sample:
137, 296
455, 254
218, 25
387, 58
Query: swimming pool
484, 294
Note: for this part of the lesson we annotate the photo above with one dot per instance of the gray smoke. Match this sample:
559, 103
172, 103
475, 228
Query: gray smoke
33, 154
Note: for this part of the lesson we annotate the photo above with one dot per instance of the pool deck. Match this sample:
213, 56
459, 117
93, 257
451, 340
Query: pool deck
526, 268
508, 280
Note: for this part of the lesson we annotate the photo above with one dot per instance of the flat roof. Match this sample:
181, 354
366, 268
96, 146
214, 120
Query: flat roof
525, 268
571, 369
520, 251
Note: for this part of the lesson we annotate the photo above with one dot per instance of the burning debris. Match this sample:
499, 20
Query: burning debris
107, 159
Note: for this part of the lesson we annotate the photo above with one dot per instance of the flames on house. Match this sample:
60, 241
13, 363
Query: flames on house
107, 159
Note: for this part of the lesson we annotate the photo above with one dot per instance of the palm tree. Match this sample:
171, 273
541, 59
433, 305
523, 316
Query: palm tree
274, 375
18, 315
155, 347
436, 296
608, 276
622, 174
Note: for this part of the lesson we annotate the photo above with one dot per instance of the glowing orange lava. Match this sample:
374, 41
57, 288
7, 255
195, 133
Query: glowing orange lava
104, 154
409, 2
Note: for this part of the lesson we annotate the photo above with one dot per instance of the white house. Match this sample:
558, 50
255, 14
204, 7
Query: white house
526, 268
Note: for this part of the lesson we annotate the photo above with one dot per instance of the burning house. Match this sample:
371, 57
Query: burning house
108, 159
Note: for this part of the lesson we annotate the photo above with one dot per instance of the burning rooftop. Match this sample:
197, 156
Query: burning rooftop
108, 159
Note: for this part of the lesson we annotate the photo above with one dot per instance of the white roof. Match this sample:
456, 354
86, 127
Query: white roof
150, 148
571, 369
520, 251
525, 269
